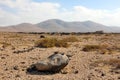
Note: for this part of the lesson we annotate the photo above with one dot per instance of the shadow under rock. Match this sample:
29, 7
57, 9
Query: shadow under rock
34, 71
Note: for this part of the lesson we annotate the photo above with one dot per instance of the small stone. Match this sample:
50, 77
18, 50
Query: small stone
6, 69
76, 72
118, 77
69, 54
64, 71
118, 57
17, 75
102, 74
23, 69
15, 68
22, 62
2, 57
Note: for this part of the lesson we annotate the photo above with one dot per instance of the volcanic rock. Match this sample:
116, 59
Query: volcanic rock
53, 63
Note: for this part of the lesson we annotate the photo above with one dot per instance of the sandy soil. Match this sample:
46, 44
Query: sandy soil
83, 65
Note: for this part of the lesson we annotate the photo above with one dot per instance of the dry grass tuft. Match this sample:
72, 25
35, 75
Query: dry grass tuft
51, 42
91, 47
102, 49
71, 39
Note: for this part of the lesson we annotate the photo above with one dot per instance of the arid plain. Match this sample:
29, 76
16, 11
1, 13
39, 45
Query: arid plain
93, 56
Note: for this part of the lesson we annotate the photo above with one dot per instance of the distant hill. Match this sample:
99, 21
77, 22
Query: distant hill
24, 27
56, 25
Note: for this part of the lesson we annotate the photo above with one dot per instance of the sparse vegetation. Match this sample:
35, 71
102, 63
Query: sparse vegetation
91, 47
102, 49
71, 39
51, 42
99, 58
111, 62
61, 43
14, 36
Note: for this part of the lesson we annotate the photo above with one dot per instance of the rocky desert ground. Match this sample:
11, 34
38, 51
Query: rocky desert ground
92, 56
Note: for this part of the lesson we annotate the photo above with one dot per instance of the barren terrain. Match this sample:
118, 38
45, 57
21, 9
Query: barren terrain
94, 57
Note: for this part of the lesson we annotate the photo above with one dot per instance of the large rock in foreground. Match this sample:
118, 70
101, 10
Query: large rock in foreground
53, 63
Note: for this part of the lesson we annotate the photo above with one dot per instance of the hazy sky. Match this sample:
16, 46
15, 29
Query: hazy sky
13, 12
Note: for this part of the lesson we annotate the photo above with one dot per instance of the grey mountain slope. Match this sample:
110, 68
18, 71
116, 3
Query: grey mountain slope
52, 25
56, 25
114, 28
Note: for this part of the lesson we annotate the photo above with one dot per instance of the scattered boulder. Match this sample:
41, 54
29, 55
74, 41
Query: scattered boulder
53, 63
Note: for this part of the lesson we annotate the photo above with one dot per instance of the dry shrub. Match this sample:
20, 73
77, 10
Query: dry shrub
50, 42
102, 49
91, 47
47, 42
61, 43
70, 39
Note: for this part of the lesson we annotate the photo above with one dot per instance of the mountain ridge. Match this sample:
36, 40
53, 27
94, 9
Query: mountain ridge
57, 25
